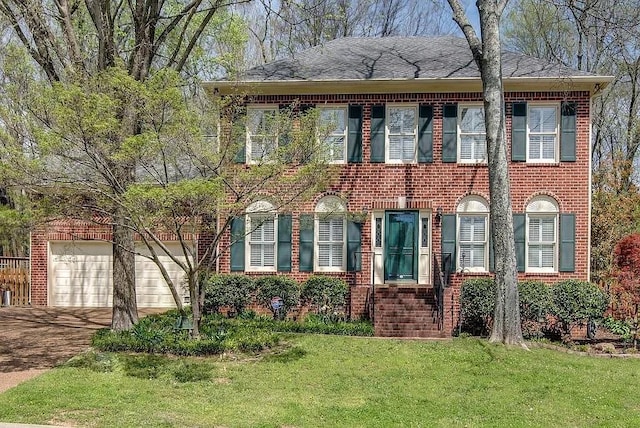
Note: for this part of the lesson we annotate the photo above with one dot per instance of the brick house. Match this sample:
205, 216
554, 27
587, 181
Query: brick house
408, 219
409, 134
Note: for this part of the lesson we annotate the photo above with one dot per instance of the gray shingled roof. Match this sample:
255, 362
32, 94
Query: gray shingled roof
355, 58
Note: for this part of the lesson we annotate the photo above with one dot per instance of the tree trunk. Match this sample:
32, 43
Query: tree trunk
196, 303
125, 308
506, 323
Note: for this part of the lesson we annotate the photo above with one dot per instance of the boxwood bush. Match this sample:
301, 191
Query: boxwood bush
269, 287
477, 301
575, 302
326, 295
227, 290
535, 304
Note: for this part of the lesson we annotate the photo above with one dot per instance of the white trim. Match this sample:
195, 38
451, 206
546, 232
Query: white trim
478, 207
459, 133
556, 148
332, 207
542, 207
260, 209
405, 106
263, 108
345, 109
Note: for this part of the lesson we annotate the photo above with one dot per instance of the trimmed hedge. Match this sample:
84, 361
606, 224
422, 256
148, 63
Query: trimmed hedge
326, 295
477, 301
575, 302
227, 290
269, 287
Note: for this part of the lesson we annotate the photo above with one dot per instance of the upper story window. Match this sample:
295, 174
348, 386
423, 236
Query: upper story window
542, 235
262, 133
333, 126
261, 225
473, 236
472, 140
330, 239
402, 130
543, 130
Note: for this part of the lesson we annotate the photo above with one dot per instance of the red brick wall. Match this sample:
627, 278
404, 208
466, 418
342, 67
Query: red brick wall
368, 186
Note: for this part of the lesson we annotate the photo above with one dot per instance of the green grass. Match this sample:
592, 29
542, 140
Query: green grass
340, 381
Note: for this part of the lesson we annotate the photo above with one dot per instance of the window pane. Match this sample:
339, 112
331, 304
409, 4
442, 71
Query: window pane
466, 147
542, 119
324, 255
465, 229
334, 119
395, 120
324, 231
480, 146
407, 148
548, 230
408, 120
336, 250
395, 147
472, 119
549, 147
336, 229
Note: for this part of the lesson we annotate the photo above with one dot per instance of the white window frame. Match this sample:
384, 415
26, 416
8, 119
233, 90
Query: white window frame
474, 207
542, 208
262, 108
330, 208
388, 134
331, 133
474, 159
257, 212
555, 133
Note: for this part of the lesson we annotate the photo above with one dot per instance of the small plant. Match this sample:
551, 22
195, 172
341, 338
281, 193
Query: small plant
326, 295
575, 302
477, 301
618, 327
227, 290
144, 366
278, 289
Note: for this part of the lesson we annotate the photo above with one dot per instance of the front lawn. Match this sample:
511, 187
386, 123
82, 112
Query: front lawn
339, 381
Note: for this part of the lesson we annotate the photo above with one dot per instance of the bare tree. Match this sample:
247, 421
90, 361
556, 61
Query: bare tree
487, 55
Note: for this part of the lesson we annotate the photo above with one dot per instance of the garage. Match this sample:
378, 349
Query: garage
80, 275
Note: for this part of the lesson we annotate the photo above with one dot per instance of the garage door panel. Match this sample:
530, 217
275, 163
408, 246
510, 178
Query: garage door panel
80, 275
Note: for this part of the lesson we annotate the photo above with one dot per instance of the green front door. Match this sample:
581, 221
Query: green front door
401, 244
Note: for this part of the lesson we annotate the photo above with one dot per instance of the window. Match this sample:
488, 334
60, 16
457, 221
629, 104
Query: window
333, 124
543, 133
330, 237
402, 130
261, 245
542, 226
472, 147
473, 242
262, 134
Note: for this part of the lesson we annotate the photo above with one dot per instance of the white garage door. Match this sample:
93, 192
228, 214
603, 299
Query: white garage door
80, 275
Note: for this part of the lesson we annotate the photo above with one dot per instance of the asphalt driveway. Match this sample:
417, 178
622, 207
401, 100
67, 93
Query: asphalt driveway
33, 340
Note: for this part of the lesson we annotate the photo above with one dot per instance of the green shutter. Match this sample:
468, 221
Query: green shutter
520, 238
450, 134
449, 240
237, 244
377, 134
354, 246
284, 242
568, 132
519, 132
354, 138
567, 242
306, 243
425, 134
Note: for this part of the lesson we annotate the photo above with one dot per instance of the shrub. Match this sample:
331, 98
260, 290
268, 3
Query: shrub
535, 303
230, 290
326, 295
477, 301
575, 302
283, 287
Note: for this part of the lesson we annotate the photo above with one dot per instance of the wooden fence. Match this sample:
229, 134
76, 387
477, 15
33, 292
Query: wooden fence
14, 276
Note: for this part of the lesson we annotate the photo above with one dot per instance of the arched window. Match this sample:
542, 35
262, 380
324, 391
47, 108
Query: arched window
473, 234
542, 235
262, 232
330, 236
